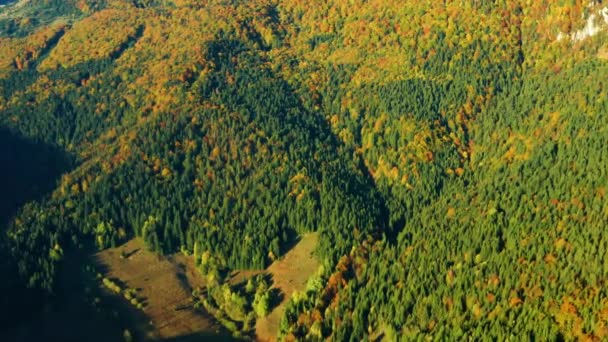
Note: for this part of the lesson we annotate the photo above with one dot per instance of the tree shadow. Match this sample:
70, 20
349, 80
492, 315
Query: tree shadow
129, 254
292, 240
276, 297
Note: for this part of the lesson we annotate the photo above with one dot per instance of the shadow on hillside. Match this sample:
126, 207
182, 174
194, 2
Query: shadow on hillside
28, 171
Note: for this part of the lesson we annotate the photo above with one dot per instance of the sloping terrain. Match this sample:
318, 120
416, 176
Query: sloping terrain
289, 275
165, 286
448, 156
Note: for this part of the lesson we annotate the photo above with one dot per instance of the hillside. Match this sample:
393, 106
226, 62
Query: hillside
164, 286
449, 155
289, 275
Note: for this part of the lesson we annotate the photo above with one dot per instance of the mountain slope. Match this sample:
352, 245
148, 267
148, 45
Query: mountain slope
448, 153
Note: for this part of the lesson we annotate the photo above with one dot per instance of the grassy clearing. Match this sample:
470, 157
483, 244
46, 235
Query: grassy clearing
166, 284
289, 274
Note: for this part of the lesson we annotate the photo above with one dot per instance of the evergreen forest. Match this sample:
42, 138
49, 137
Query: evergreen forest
451, 156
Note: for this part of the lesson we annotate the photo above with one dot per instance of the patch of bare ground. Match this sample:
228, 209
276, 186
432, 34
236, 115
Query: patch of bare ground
165, 284
289, 274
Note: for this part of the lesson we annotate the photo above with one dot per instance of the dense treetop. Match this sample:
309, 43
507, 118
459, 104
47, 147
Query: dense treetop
450, 153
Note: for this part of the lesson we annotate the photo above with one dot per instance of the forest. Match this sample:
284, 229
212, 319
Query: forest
450, 155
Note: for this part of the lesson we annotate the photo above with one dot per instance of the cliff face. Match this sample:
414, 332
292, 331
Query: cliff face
596, 23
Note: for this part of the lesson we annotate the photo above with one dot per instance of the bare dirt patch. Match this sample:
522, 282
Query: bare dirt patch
289, 274
165, 284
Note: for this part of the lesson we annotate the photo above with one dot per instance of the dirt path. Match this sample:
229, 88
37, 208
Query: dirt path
166, 284
289, 274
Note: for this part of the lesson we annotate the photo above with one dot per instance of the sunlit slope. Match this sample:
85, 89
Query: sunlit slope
450, 153
197, 148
